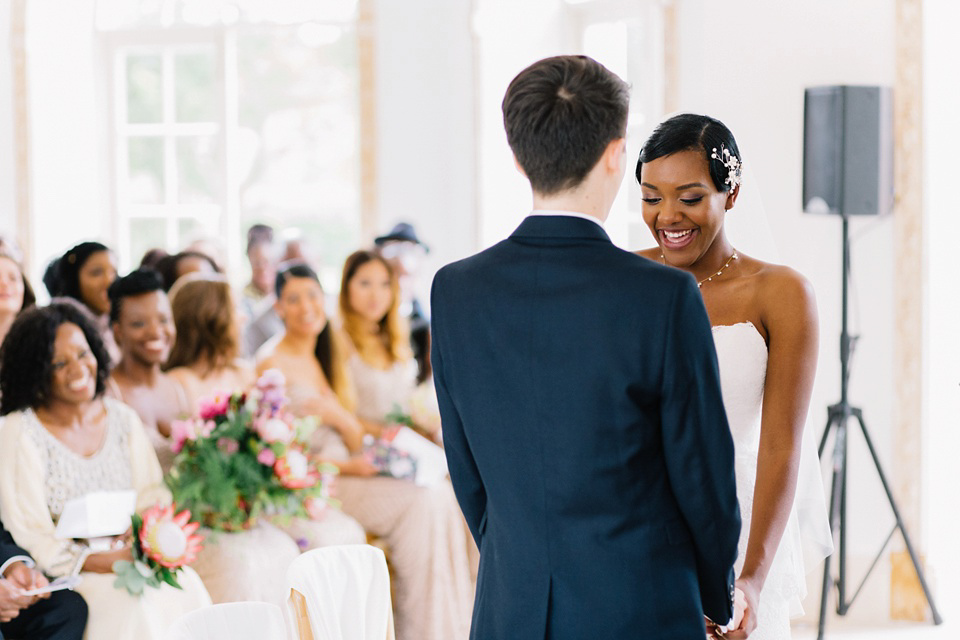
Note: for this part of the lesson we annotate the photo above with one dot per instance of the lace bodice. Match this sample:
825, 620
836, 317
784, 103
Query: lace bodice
380, 391
70, 475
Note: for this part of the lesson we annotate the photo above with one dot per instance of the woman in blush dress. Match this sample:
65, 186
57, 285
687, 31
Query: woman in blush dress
142, 324
380, 361
16, 294
61, 439
766, 333
422, 526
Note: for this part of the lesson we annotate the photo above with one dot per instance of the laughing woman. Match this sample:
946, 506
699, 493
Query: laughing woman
62, 439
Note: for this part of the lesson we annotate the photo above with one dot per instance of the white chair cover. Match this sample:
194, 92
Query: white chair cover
231, 621
347, 592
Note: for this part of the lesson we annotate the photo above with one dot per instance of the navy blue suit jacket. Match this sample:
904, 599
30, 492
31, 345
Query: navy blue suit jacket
586, 437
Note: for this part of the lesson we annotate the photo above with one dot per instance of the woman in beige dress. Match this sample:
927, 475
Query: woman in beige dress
421, 526
61, 439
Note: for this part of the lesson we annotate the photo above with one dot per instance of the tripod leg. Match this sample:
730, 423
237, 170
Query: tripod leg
831, 415
896, 514
839, 464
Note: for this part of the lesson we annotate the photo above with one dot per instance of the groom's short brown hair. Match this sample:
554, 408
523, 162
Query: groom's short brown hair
560, 114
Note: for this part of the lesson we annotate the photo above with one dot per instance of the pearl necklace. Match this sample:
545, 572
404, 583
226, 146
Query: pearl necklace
734, 256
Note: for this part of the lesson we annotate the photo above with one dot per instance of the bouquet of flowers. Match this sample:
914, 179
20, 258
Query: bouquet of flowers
244, 455
163, 543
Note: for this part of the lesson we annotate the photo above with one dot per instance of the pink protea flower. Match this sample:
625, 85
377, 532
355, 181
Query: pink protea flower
275, 430
180, 432
294, 470
216, 406
267, 457
170, 540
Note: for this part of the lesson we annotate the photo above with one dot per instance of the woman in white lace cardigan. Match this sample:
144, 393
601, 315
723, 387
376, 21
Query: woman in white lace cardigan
61, 439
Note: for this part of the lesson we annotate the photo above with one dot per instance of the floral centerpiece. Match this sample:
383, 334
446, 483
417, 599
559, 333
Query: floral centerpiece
245, 455
163, 543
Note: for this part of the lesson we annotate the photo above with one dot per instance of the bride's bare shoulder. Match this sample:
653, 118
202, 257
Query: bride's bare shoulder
782, 291
653, 253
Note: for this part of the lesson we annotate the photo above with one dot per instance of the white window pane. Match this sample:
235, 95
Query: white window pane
195, 77
145, 176
146, 234
144, 88
198, 169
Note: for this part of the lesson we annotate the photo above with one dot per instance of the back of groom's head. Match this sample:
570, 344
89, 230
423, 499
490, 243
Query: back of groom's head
560, 114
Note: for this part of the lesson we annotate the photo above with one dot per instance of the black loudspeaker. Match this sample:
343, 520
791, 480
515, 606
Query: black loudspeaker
848, 150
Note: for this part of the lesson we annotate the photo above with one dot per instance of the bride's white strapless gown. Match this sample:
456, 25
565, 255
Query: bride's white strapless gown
742, 355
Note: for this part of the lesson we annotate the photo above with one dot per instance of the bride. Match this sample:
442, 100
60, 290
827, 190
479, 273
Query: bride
765, 328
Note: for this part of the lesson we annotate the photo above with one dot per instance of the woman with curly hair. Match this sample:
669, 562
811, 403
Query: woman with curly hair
62, 439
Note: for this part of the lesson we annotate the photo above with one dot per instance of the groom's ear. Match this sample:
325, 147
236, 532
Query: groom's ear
615, 155
732, 196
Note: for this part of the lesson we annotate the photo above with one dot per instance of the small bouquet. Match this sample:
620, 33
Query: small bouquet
163, 543
245, 454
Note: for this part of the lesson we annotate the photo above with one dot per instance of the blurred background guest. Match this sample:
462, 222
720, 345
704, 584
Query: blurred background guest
142, 324
151, 259
84, 274
380, 360
16, 294
173, 267
405, 252
257, 299
61, 439
204, 358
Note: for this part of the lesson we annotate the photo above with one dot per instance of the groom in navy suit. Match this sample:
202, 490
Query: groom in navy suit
578, 386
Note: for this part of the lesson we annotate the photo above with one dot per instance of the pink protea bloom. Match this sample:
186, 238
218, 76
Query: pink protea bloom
276, 430
267, 457
294, 470
180, 432
169, 540
216, 406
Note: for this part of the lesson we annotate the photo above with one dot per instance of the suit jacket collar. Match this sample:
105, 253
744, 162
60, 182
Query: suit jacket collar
559, 227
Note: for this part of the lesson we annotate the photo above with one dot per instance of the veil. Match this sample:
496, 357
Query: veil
748, 229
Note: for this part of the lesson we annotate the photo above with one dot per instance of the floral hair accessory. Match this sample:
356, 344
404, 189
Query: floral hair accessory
733, 165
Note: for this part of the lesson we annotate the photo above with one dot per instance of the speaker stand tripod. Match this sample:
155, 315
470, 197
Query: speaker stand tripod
838, 415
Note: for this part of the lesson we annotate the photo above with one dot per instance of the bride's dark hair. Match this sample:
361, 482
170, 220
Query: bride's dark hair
692, 132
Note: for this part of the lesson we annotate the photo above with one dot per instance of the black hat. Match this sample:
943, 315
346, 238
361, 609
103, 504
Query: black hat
402, 232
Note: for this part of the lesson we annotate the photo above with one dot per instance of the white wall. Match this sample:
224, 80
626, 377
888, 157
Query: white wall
8, 218
425, 126
942, 351
69, 198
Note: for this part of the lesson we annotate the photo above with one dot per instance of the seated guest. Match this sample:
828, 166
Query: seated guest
381, 363
61, 439
84, 274
16, 294
204, 358
422, 526
61, 615
173, 267
404, 251
257, 298
152, 258
143, 327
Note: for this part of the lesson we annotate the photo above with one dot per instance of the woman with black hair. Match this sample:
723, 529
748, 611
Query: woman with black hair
765, 331
61, 440
422, 527
84, 273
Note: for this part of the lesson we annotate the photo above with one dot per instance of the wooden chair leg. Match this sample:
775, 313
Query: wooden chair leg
303, 619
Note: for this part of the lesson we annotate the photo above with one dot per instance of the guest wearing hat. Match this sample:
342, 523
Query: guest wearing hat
405, 252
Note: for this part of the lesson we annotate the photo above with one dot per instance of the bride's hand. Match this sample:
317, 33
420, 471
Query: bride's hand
746, 599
